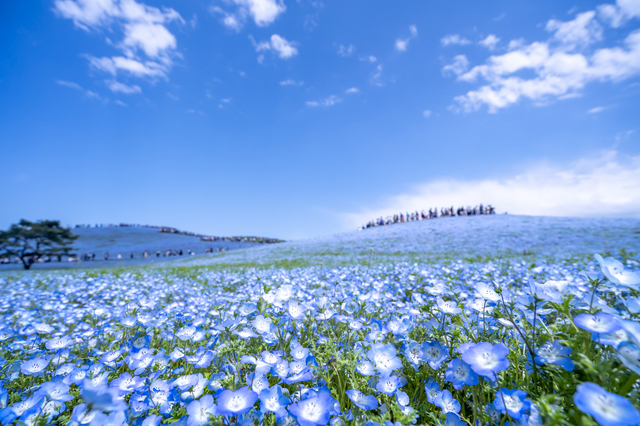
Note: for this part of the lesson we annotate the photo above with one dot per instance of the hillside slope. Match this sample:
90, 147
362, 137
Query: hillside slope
470, 237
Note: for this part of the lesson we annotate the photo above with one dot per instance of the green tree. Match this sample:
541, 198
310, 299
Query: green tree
30, 241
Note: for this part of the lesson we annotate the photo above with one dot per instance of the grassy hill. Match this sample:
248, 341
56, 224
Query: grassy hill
471, 238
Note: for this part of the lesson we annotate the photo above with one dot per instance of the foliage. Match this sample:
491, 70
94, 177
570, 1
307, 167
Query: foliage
30, 241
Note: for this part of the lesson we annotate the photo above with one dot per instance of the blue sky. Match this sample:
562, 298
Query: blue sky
299, 118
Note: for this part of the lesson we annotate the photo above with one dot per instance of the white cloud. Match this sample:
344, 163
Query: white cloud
459, 65
559, 71
119, 102
118, 87
346, 51
454, 39
581, 31
403, 44
291, 82
426, 113
489, 42
285, 49
618, 14
263, 12
326, 102
148, 46
69, 84
352, 90
606, 185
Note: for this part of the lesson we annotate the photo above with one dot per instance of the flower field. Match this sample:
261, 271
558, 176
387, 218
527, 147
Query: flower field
503, 341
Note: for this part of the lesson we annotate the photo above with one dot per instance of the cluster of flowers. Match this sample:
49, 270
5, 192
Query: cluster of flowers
457, 344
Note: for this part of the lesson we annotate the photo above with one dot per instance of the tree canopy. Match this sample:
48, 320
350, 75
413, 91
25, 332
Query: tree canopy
30, 241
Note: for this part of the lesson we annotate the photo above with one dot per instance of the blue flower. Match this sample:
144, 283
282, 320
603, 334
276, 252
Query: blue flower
556, 354
434, 354
460, 373
34, 367
200, 411
57, 391
385, 359
366, 368
413, 354
454, 419
599, 323
448, 307
388, 385
232, 403
313, 411
362, 401
607, 408
447, 403
487, 359
272, 400
512, 401
629, 354
432, 388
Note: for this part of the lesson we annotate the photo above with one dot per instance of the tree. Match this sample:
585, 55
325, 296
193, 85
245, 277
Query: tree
30, 241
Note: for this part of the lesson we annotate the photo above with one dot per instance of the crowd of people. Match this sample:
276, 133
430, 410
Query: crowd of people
431, 214
147, 254
170, 230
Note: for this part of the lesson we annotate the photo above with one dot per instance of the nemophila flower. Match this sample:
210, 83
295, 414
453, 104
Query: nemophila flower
493, 413
281, 369
432, 388
161, 396
232, 403
448, 307
257, 383
512, 401
59, 343
185, 382
556, 354
55, 391
9, 414
101, 397
262, 324
365, 368
629, 355
607, 408
598, 323
247, 309
215, 382
299, 353
114, 419
388, 385
413, 354
487, 292
460, 373
272, 400
453, 419
200, 411
385, 359
402, 398
245, 333
34, 367
313, 411
295, 310
362, 401
110, 358
487, 359
447, 403
434, 354
615, 271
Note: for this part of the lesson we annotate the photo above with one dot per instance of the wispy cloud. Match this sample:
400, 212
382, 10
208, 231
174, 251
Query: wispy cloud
117, 87
596, 110
426, 113
326, 102
402, 44
346, 51
352, 90
562, 65
607, 184
86, 92
290, 82
454, 39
